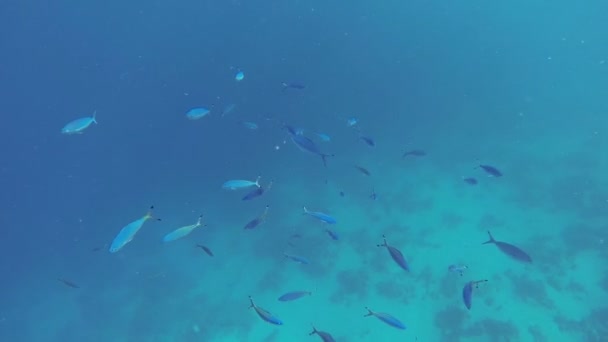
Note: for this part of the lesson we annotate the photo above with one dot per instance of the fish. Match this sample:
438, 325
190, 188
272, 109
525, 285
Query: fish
470, 180
79, 125
289, 296
363, 170
467, 292
415, 153
395, 254
239, 76
257, 192
250, 125
206, 249
491, 170
332, 234
323, 136
258, 220
197, 113
127, 233
373, 195
296, 258
321, 216
386, 318
183, 231
369, 141
227, 109
237, 184
342, 194
325, 336
350, 122
457, 269
265, 315
292, 85
510, 250
68, 283
307, 145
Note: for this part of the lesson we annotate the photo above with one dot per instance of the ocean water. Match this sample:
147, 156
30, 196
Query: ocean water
518, 85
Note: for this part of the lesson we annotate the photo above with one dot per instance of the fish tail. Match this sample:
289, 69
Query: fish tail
257, 181
491, 239
251, 301
95, 116
305, 210
314, 330
200, 219
149, 214
369, 312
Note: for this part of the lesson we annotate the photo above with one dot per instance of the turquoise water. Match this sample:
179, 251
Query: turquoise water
519, 85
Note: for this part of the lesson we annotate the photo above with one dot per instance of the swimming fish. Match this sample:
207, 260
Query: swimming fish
350, 122
296, 258
467, 292
491, 170
127, 233
373, 195
237, 184
289, 296
321, 216
307, 145
250, 125
197, 113
292, 85
79, 125
332, 234
470, 180
363, 170
206, 249
258, 220
369, 141
257, 192
386, 318
510, 250
457, 269
227, 109
415, 153
325, 336
183, 231
395, 254
239, 76
265, 315
68, 283
323, 136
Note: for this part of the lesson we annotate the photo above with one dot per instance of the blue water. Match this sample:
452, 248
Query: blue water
519, 85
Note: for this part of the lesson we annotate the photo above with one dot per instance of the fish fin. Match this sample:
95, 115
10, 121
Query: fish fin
491, 239
369, 313
257, 181
94, 116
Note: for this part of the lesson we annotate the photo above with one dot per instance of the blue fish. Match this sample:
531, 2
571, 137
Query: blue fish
183, 231
373, 195
307, 145
289, 296
395, 254
323, 136
237, 184
321, 216
350, 122
491, 170
229, 108
510, 250
467, 292
332, 234
197, 113
250, 125
292, 85
265, 315
457, 269
296, 258
79, 125
127, 233
258, 220
239, 76
414, 153
369, 141
470, 180
325, 336
386, 318
257, 192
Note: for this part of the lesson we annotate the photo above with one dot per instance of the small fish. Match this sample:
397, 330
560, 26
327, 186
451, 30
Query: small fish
470, 180
321, 216
183, 231
457, 269
373, 195
227, 109
250, 125
295, 236
258, 220
197, 113
332, 234
325, 336
307, 145
323, 136
127, 233
206, 249
491, 170
395, 254
341, 193
414, 153
296, 258
265, 315
292, 85
239, 76
289, 296
363, 170
237, 184
467, 292
350, 122
79, 125
257, 192
510, 250
68, 283
369, 141
386, 318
